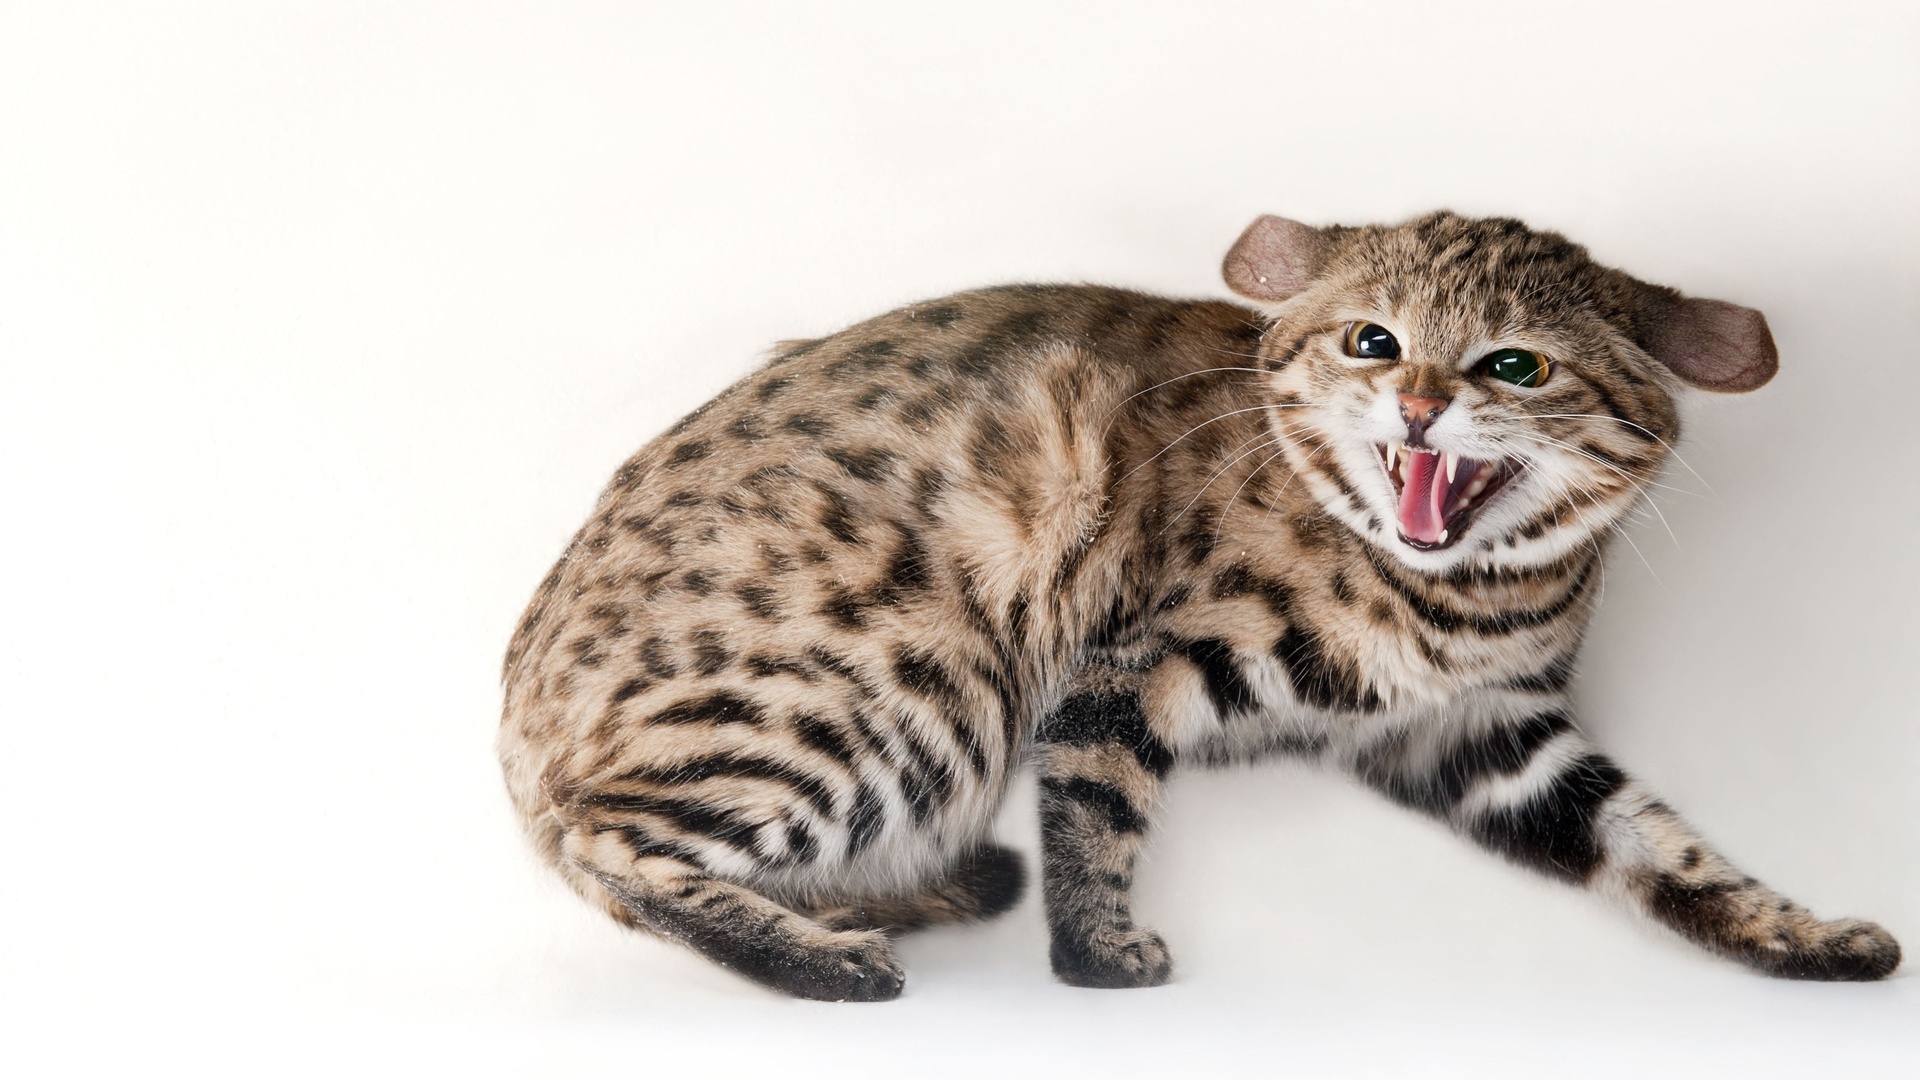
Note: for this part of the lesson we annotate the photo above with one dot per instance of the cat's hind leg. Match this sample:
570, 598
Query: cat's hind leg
734, 926
986, 881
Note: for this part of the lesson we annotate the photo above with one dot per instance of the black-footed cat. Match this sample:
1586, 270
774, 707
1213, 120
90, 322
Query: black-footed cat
769, 699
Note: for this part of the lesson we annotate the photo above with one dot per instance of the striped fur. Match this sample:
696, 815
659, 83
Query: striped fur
771, 696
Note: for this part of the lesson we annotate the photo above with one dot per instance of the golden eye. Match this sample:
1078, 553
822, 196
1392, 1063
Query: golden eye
1371, 341
1517, 366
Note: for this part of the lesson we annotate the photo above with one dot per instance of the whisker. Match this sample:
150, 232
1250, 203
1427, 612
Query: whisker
1228, 505
1175, 379
1636, 481
1264, 441
1204, 423
1650, 434
1274, 502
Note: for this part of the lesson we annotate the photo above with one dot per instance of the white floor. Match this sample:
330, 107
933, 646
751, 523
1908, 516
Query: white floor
322, 327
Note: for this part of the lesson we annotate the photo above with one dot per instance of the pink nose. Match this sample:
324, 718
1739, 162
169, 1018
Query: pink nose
1422, 411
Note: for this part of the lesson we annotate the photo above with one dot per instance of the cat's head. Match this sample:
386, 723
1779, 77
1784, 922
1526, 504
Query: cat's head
1466, 391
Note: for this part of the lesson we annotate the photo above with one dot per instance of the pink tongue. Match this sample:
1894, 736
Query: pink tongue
1421, 501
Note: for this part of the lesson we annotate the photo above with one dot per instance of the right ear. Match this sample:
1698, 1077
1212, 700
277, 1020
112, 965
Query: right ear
1274, 259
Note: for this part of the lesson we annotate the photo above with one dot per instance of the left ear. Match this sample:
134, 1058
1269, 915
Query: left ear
1274, 259
1714, 345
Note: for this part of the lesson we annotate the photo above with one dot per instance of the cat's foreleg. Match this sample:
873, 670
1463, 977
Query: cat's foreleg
1534, 790
1100, 776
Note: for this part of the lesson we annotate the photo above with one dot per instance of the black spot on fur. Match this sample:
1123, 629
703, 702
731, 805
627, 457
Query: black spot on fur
1227, 687
865, 820
872, 464
836, 664
907, 571
687, 815
928, 677
759, 600
808, 424
989, 447
720, 707
940, 315
658, 660
1553, 831
1103, 718
1316, 676
820, 735
928, 485
765, 667
1105, 800
836, 516
693, 450
748, 766
710, 655
847, 609
1200, 535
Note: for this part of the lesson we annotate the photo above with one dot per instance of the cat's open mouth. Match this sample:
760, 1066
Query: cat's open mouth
1439, 492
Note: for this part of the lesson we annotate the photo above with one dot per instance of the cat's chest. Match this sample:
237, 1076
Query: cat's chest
1333, 630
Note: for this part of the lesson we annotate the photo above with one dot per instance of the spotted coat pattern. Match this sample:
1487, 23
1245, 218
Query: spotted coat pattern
770, 697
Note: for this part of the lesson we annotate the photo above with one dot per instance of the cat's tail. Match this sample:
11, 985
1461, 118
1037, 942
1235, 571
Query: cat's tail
987, 881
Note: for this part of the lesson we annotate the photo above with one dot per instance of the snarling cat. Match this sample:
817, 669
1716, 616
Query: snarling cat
769, 700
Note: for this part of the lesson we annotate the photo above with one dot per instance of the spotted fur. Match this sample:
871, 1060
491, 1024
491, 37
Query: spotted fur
769, 699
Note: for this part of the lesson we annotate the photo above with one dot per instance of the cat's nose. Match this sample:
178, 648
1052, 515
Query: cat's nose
1421, 412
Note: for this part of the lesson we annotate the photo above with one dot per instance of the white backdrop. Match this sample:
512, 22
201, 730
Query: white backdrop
323, 325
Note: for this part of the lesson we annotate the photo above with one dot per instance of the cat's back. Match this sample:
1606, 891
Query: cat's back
867, 524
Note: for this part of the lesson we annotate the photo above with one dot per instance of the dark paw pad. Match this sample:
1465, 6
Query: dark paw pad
1845, 950
1112, 958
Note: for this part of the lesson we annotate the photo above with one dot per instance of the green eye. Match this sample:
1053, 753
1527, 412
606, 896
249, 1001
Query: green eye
1517, 366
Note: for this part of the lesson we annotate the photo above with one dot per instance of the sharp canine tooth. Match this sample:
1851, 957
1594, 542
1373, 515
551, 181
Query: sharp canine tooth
1443, 537
1453, 465
1393, 455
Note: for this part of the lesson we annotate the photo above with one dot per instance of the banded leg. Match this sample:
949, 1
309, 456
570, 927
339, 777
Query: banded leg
1538, 793
735, 926
985, 882
1100, 776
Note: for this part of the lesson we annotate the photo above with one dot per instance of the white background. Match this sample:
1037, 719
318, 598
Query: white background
322, 327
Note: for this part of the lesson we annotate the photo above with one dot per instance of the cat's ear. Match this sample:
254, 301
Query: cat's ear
1273, 259
1713, 345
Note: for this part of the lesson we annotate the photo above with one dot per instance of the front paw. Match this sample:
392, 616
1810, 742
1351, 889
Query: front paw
1845, 950
1111, 958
